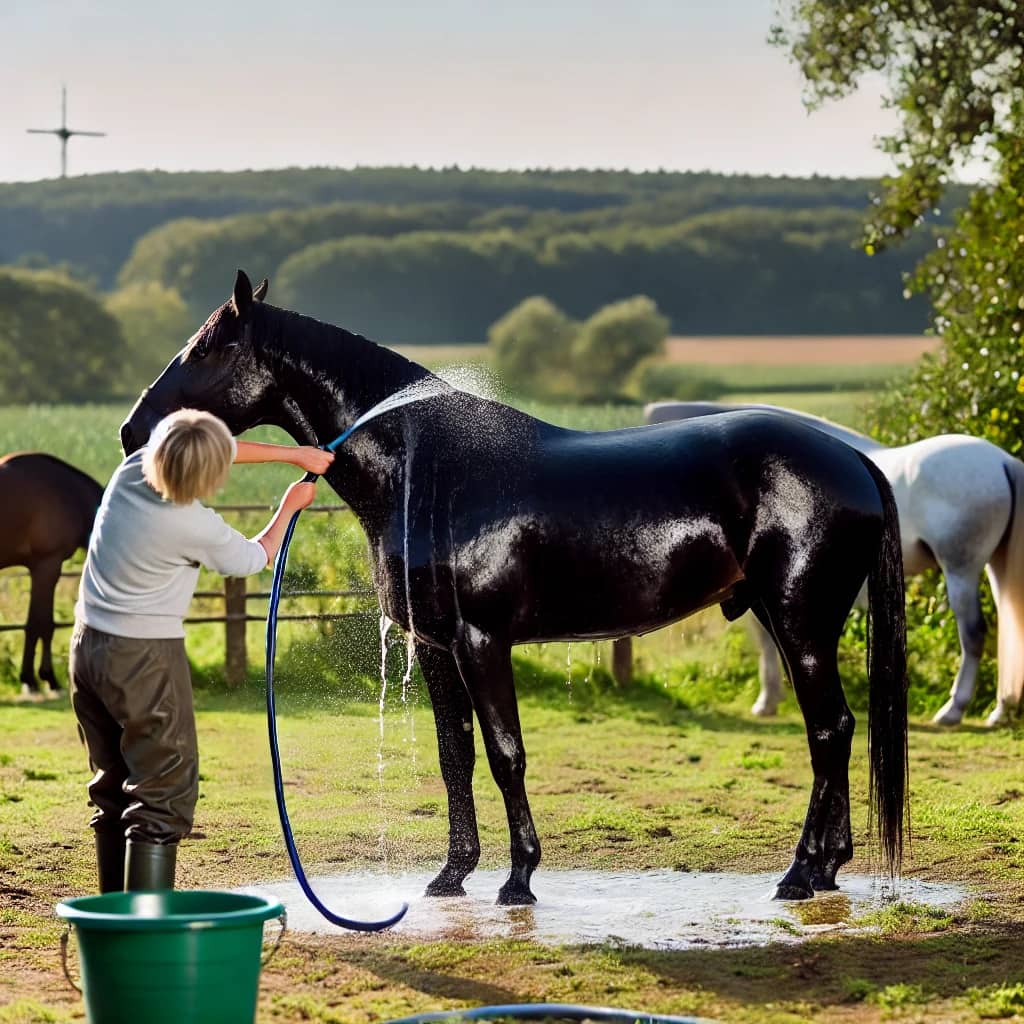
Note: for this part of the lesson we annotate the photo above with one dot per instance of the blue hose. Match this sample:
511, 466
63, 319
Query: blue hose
547, 1011
275, 754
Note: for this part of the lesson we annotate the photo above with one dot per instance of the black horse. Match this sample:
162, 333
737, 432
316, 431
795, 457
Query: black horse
489, 528
47, 508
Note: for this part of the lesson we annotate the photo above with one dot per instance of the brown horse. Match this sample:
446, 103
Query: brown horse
47, 510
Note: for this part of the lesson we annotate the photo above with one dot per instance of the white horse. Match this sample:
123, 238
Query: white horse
961, 509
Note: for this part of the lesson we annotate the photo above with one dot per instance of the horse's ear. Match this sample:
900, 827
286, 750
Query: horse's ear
260, 291
241, 299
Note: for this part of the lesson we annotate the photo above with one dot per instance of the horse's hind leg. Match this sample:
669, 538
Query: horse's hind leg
965, 603
453, 720
48, 587
769, 671
486, 666
808, 643
39, 625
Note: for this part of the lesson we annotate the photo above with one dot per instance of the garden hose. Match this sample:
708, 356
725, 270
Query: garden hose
275, 754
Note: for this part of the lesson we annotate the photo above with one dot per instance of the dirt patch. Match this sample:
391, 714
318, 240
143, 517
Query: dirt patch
820, 350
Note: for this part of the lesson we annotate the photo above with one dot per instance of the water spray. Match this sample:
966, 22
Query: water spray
416, 392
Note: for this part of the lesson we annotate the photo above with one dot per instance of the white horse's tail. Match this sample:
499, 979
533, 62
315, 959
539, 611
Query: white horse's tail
1007, 578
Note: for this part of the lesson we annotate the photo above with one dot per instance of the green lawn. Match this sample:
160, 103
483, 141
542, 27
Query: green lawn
624, 781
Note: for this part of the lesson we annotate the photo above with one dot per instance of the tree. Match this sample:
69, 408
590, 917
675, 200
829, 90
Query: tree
613, 341
955, 73
57, 343
155, 323
531, 345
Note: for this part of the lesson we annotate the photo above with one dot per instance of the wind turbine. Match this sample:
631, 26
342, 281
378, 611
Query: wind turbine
63, 132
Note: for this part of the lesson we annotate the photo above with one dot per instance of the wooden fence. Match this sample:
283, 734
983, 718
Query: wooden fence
236, 596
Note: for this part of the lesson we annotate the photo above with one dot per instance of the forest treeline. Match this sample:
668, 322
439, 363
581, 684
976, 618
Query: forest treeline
409, 255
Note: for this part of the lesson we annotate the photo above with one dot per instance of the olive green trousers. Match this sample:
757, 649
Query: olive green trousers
133, 700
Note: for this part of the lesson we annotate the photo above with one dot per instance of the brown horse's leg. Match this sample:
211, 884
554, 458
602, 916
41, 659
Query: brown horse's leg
453, 719
48, 587
485, 664
808, 646
40, 622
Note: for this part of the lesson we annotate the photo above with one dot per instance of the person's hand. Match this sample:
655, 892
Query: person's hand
313, 460
299, 495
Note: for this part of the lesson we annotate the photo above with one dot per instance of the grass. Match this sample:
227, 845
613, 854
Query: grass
654, 777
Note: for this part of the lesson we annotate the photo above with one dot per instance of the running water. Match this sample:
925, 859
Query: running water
427, 387
385, 625
410, 636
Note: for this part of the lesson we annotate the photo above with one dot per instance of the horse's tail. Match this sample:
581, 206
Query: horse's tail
887, 681
1007, 577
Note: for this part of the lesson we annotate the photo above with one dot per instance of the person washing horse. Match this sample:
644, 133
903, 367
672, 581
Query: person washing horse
129, 675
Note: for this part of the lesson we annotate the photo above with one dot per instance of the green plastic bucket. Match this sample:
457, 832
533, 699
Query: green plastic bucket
169, 957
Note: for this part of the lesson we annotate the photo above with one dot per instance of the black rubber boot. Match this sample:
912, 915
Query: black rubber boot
110, 847
149, 866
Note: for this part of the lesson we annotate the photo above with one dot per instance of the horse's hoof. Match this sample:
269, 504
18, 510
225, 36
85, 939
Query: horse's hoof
821, 882
31, 695
445, 887
514, 895
788, 891
764, 710
998, 716
948, 714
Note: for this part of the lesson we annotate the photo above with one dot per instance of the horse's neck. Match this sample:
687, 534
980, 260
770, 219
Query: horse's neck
330, 377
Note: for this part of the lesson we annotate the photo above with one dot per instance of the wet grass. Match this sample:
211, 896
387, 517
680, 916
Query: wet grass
651, 777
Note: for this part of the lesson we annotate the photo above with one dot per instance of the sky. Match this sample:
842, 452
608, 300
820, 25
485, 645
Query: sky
638, 84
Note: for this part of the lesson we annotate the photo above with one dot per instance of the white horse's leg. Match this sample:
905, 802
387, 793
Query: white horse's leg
965, 603
769, 671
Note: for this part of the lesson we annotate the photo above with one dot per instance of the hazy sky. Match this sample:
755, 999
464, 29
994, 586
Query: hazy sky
680, 84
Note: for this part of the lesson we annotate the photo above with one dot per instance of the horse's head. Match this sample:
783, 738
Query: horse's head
219, 370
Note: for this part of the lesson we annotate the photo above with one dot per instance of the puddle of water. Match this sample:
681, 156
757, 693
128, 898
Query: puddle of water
652, 909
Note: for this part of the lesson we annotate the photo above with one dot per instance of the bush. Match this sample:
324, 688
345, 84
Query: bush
531, 345
155, 323
613, 341
660, 382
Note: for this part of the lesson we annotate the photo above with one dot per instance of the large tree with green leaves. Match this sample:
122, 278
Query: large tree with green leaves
57, 343
955, 74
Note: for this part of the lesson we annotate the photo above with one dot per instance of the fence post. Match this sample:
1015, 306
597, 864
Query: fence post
234, 630
622, 660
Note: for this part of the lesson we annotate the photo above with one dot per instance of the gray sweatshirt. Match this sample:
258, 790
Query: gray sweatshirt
144, 557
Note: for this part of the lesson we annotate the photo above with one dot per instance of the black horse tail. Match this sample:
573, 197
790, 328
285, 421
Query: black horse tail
888, 792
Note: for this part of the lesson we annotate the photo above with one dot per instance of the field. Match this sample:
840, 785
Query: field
670, 773
656, 777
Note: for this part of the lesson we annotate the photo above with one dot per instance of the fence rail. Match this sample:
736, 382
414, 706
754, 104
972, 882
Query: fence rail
236, 617
236, 595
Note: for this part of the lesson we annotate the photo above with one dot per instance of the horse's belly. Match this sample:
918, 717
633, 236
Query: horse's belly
637, 581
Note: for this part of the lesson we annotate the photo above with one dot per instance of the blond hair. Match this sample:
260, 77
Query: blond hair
188, 456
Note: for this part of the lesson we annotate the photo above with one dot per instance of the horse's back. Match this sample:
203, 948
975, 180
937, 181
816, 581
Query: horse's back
953, 492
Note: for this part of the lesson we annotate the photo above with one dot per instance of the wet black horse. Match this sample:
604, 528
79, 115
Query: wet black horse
47, 509
489, 528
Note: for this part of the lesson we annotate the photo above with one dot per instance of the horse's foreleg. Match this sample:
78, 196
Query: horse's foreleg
826, 842
486, 667
453, 719
39, 625
965, 603
769, 671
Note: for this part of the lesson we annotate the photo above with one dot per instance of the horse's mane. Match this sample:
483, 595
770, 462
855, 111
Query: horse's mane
314, 339
57, 461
